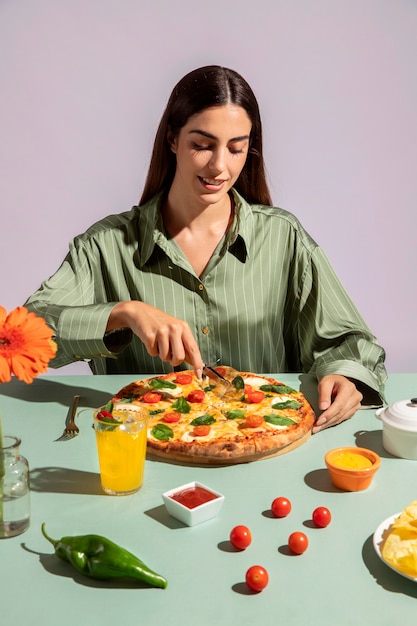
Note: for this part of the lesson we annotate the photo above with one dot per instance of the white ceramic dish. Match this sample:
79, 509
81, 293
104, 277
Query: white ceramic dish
399, 431
197, 514
378, 540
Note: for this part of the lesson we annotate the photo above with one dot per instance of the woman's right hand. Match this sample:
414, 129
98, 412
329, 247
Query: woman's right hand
162, 334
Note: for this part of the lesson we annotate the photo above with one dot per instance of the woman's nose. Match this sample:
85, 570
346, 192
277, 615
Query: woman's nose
217, 161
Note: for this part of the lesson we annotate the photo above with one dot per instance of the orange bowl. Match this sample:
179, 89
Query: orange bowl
351, 468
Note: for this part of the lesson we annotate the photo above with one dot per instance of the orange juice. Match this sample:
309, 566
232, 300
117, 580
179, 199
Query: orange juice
121, 453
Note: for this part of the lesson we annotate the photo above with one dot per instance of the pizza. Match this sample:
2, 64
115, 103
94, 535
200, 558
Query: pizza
227, 417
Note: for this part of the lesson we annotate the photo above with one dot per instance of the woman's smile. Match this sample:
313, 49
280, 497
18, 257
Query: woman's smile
213, 184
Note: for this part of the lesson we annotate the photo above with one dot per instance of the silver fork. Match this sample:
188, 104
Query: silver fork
71, 429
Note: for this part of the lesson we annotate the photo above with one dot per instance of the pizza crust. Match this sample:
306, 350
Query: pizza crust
230, 460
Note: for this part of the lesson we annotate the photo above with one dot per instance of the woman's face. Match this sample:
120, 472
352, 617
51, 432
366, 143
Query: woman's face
211, 150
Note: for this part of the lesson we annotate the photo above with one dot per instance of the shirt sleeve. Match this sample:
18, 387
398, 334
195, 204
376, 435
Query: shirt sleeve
333, 336
67, 302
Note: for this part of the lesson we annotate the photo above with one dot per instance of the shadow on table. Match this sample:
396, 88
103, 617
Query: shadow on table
320, 481
385, 576
63, 480
160, 514
372, 439
42, 390
308, 387
58, 567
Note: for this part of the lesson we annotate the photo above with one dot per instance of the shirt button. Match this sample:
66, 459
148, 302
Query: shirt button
205, 330
201, 287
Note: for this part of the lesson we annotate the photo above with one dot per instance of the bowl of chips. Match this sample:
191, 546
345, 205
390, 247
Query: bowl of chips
352, 468
395, 541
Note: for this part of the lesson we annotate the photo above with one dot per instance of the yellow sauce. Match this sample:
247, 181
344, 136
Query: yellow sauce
351, 460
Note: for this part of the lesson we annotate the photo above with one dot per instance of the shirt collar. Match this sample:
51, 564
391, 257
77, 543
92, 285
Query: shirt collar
151, 227
152, 233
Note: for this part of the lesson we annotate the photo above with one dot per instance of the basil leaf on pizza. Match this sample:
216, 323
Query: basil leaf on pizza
288, 404
181, 405
162, 432
235, 414
238, 382
159, 383
276, 388
279, 420
203, 420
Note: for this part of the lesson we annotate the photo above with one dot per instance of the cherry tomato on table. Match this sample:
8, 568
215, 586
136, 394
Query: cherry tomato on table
321, 517
257, 578
281, 507
240, 537
298, 542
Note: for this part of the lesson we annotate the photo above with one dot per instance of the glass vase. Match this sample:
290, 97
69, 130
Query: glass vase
14, 489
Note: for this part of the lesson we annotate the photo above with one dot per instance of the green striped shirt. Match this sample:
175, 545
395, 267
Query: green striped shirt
268, 300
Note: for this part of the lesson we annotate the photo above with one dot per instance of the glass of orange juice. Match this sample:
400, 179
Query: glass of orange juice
121, 447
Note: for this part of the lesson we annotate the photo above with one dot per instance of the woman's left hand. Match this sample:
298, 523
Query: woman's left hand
339, 400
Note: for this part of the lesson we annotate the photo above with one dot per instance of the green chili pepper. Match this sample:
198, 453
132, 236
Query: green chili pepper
98, 557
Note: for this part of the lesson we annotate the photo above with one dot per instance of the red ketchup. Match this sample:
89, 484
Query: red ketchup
193, 496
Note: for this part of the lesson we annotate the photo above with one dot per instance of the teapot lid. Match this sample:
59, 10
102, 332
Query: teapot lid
401, 414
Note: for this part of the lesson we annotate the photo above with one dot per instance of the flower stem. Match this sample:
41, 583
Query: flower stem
1, 470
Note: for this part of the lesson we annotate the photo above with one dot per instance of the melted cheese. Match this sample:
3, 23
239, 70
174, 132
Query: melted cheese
172, 393
279, 399
254, 381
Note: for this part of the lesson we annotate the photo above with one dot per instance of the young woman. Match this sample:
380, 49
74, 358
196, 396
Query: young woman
205, 268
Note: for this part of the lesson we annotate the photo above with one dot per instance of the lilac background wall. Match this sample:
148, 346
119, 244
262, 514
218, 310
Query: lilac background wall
84, 83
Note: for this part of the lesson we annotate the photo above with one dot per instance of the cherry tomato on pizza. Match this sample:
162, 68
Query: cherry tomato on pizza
298, 542
183, 378
197, 395
240, 537
201, 430
171, 417
281, 507
321, 517
255, 396
257, 578
152, 397
254, 421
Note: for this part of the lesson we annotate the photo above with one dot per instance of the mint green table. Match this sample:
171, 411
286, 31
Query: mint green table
339, 581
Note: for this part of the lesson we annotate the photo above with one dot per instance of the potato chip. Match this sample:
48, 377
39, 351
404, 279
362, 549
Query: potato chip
400, 546
408, 518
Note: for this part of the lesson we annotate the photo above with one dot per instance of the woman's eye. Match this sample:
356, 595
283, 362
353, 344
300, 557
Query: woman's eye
198, 147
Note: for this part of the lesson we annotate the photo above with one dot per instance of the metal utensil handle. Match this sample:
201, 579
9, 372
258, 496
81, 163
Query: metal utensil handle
74, 408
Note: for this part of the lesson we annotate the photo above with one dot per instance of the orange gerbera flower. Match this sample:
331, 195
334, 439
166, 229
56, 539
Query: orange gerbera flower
26, 345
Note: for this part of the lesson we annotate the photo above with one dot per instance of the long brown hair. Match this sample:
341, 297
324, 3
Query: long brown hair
202, 88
